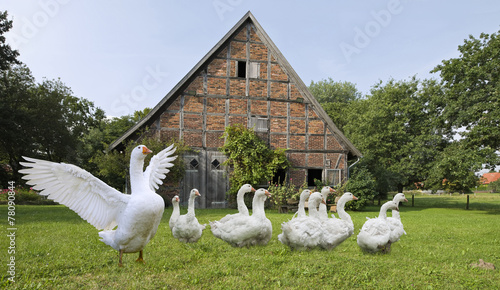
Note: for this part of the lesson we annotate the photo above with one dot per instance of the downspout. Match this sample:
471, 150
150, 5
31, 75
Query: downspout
349, 168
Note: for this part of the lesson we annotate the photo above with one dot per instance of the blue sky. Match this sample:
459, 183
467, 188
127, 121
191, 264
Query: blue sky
127, 55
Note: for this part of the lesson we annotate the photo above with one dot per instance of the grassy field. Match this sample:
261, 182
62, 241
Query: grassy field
56, 249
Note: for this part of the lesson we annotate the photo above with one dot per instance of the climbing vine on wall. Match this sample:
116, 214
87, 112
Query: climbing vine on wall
249, 158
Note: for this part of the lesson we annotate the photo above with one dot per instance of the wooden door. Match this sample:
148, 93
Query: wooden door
217, 181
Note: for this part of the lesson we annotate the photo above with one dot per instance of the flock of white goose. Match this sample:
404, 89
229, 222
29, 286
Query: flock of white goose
129, 222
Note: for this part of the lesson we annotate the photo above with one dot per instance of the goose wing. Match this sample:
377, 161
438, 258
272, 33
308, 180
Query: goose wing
85, 194
159, 166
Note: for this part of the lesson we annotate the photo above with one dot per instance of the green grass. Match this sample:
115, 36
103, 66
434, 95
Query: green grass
56, 249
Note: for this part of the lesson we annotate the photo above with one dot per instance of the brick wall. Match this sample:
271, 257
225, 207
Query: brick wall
216, 98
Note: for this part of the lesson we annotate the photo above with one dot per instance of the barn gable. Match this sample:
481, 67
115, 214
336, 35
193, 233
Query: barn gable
246, 80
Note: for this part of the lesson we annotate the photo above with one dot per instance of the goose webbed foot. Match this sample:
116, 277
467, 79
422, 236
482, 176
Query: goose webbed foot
140, 259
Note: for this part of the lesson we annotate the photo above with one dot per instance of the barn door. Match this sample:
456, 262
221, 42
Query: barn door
217, 182
194, 165
204, 171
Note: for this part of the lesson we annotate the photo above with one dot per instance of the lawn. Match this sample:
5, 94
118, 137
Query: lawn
56, 249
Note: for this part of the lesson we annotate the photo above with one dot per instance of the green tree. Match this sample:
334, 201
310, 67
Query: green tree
8, 56
454, 169
113, 166
494, 186
250, 159
96, 141
362, 184
472, 99
396, 129
40, 120
335, 98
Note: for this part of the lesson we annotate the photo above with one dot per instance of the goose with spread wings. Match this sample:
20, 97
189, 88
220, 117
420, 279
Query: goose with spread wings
128, 222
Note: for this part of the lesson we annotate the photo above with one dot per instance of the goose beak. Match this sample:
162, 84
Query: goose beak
268, 193
405, 200
397, 208
354, 198
332, 190
146, 151
177, 199
253, 189
198, 193
323, 201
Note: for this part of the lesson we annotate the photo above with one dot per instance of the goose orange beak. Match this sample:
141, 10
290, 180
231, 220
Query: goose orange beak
198, 193
268, 193
146, 151
354, 198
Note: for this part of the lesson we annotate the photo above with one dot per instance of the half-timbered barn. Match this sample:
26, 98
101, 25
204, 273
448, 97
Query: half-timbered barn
245, 79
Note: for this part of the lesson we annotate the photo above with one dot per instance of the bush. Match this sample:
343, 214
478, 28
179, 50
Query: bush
494, 186
25, 196
363, 185
281, 193
249, 158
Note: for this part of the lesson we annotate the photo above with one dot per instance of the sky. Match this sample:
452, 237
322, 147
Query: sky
127, 55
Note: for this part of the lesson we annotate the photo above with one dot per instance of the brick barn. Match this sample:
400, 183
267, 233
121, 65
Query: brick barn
245, 79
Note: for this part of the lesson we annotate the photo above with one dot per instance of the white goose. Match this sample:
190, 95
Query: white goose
335, 231
397, 229
176, 212
376, 233
302, 232
243, 230
316, 200
186, 228
137, 215
322, 208
240, 201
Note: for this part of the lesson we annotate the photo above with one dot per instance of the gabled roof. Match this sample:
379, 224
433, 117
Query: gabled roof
490, 177
213, 52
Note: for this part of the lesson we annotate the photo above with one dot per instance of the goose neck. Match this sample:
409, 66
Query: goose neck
258, 206
301, 211
191, 204
383, 211
176, 211
240, 201
137, 182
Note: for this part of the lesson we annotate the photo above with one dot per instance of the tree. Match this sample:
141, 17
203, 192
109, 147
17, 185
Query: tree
395, 127
454, 169
113, 167
472, 98
7, 55
335, 98
362, 184
250, 159
41, 120
330, 91
95, 143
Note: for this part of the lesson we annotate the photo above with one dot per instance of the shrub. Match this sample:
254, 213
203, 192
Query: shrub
363, 185
494, 186
26, 196
249, 158
281, 193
